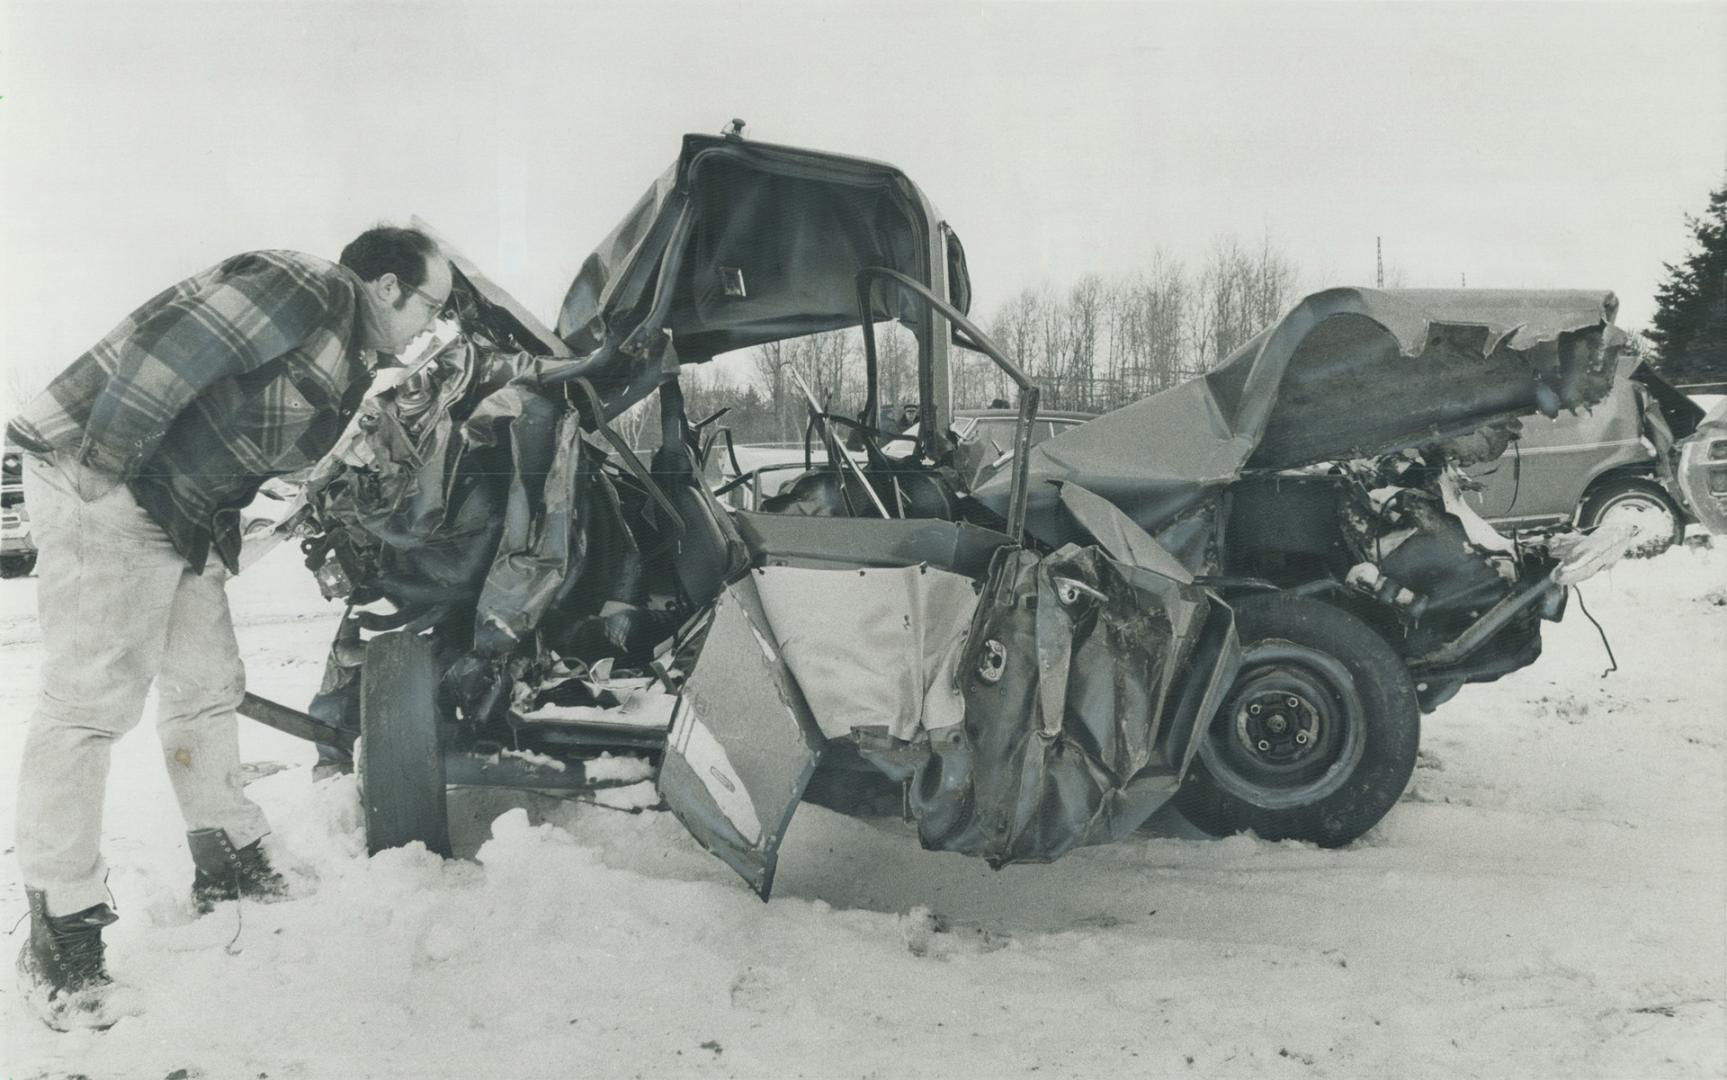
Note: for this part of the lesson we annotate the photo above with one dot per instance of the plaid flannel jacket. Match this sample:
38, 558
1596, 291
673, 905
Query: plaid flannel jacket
216, 384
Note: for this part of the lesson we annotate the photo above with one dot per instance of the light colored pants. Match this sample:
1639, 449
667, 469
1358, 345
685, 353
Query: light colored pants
119, 610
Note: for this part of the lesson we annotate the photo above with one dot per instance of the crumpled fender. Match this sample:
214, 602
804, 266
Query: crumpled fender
538, 552
1067, 674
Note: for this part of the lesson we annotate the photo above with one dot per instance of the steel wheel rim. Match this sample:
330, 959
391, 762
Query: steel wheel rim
1253, 758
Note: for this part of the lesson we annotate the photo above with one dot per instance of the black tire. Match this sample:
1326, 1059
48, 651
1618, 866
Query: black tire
1329, 766
17, 566
401, 754
1623, 492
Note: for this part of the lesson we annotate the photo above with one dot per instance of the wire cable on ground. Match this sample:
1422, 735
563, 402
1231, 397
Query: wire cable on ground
1612, 663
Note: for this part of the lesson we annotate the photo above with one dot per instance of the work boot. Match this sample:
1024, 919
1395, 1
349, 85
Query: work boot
62, 973
228, 873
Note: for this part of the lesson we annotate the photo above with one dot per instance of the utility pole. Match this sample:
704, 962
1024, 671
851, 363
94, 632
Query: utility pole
1379, 262
1464, 279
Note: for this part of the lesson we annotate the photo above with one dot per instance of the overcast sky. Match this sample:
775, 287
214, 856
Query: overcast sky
1523, 146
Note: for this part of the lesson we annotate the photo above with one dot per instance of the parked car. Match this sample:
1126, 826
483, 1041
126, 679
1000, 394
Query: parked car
994, 428
17, 546
982, 440
1240, 593
1702, 487
984, 437
1616, 461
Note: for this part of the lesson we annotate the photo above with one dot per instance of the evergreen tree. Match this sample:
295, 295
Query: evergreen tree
1690, 328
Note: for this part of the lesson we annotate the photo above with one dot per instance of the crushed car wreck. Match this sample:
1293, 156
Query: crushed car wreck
1239, 594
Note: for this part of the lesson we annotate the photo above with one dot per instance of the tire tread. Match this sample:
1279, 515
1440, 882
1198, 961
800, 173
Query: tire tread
402, 760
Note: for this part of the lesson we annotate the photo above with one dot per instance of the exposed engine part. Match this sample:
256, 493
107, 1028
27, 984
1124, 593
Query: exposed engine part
1386, 589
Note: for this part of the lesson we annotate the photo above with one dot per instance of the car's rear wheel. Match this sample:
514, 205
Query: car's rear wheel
1317, 736
12, 566
401, 760
1640, 503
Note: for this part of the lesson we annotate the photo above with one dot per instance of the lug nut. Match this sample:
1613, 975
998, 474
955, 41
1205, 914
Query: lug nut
1293, 703
1264, 746
1253, 709
1301, 738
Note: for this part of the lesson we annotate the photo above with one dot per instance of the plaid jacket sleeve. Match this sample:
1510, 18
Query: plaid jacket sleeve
234, 318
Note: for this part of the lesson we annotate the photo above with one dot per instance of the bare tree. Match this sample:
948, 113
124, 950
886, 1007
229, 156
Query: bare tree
1097, 346
1081, 317
771, 361
1273, 284
1147, 320
1018, 329
896, 361
1239, 293
629, 423
825, 362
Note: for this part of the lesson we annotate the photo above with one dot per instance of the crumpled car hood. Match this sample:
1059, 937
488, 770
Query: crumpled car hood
1346, 373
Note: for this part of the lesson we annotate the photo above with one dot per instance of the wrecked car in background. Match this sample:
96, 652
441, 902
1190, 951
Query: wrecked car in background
1240, 593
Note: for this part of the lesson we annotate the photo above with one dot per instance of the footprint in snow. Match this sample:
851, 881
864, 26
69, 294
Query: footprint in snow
761, 990
932, 935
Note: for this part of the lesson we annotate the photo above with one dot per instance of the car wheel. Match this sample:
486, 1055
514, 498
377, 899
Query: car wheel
1639, 502
1315, 739
17, 565
401, 760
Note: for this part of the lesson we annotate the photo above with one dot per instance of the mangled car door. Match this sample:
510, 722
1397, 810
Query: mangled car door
743, 744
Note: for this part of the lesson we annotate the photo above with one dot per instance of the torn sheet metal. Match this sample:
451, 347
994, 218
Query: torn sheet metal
867, 646
737, 244
615, 275
403, 435
537, 554
743, 744
1346, 373
402, 503
1027, 722
1065, 676
1119, 537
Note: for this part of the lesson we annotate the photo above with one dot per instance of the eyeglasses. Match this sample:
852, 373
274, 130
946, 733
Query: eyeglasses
438, 307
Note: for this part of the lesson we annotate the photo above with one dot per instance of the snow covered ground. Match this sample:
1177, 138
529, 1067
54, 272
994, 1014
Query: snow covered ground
1549, 900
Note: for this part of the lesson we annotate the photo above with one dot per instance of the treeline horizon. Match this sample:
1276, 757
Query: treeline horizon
1094, 346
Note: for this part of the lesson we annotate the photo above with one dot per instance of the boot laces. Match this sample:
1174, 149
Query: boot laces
82, 955
255, 872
